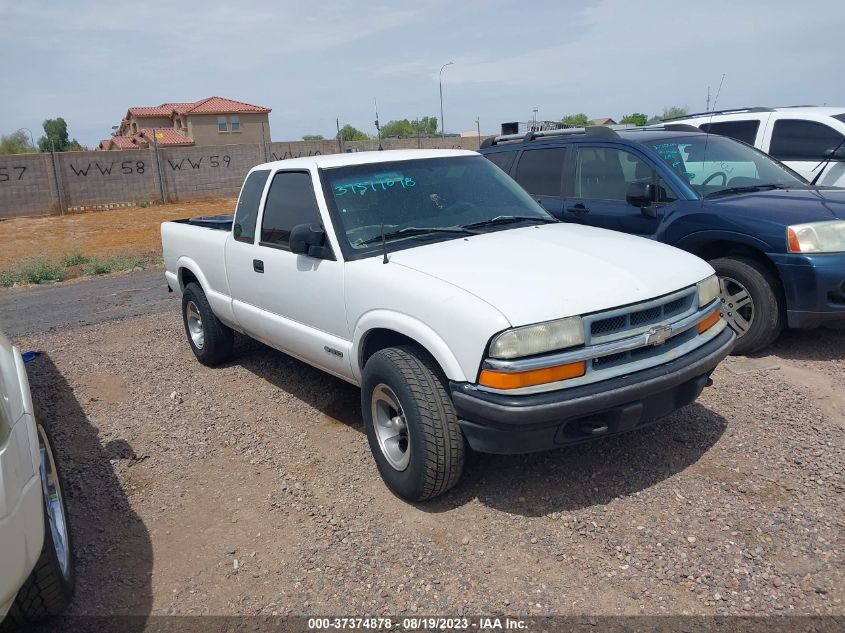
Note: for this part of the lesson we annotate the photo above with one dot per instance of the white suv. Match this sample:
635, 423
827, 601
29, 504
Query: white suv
801, 137
36, 564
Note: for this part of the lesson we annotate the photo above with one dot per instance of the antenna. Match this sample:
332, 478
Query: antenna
378, 127
709, 121
707, 109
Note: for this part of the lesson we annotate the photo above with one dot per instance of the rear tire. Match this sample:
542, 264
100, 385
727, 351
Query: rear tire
50, 586
411, 423
751, 302
210, 340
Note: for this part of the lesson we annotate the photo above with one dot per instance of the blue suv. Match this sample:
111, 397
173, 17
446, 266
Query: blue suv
776, 242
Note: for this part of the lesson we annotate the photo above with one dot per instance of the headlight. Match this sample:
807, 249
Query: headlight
536, 339
707, 290
816, 237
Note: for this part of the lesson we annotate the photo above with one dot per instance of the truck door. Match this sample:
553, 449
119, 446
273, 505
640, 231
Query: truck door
241, 269
602, 175
301, 296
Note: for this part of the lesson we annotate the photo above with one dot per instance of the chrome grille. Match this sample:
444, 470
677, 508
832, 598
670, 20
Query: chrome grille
623, 322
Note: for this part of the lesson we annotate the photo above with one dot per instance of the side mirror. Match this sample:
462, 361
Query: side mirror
309, 239
640, 194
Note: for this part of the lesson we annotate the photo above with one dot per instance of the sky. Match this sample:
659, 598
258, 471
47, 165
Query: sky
314, 62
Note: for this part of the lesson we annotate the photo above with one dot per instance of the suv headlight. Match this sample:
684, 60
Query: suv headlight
816, 237
537, 339
707, 290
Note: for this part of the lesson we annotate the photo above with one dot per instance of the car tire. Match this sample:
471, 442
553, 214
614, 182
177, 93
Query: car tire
404, 391
739, 276
49, 588
210, 340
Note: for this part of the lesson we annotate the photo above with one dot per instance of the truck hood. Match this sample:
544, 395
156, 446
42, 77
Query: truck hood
787, 206
546, 272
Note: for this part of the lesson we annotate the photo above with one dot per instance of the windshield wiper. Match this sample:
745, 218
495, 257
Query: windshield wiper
509, 219
417, 230
746, 189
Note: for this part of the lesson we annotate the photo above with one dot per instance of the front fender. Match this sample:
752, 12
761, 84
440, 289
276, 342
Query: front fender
692, 241
413, 329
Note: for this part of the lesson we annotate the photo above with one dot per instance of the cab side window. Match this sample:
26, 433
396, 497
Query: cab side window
745, 131
246, 214
540, 171
795, 139
290, 201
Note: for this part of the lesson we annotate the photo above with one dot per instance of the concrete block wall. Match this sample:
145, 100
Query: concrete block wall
89, 178
202, 172
28, 181
27, 185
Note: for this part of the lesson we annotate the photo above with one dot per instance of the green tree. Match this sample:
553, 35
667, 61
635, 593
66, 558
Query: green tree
576, 120
56, 137
427, 125
673, 112
400, 128
312, 137
635, 118
16, 143
349, 133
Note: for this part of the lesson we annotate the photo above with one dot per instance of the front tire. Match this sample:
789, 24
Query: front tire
50, 586
750, 302
210, 340
411, 423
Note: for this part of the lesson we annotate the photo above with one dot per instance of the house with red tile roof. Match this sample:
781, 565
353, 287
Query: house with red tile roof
210, 121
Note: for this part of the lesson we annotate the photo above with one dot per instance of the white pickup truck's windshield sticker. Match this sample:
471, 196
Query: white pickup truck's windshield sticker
424, 200
379, 183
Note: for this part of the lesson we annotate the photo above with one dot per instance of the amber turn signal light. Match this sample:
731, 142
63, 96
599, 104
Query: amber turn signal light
515, 380
709, 321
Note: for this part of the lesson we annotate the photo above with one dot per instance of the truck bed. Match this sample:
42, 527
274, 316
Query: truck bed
222, 222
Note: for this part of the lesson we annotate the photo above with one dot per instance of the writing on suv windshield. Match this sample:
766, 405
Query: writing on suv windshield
425, 199
715, 165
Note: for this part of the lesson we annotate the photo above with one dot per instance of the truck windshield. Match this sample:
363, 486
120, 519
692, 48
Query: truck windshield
424, 200
725, 166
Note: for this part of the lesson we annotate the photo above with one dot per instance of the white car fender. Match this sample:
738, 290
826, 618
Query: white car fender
221, 304
412, 328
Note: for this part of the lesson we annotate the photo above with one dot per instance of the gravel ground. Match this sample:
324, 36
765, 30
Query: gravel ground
250, 489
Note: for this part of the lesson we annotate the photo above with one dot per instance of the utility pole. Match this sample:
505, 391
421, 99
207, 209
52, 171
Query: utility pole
478, 127
707, 109
442, 123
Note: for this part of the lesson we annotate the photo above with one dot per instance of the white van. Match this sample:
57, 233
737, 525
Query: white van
801, 137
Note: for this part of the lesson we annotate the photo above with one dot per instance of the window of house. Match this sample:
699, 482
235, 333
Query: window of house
235, 122
796, 139
540, 171
745, 131
246, 214
222, 124
290, 201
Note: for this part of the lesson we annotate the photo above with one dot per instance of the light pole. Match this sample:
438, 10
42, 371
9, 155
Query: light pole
535, 110
442, 126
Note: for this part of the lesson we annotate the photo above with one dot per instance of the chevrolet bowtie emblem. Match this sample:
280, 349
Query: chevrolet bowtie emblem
658, 335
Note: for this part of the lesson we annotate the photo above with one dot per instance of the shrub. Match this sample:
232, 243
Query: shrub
74, 258
111, 264
34, 271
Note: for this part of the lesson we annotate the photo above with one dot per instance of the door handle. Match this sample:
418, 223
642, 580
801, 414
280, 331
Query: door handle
258, 265
578, 208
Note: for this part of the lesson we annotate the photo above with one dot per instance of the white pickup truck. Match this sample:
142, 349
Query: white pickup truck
466, 314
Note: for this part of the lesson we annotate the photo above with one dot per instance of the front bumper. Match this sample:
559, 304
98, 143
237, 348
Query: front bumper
501, 423
814, 286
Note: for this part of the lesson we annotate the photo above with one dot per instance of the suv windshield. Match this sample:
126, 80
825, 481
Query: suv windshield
716, 165
425, 199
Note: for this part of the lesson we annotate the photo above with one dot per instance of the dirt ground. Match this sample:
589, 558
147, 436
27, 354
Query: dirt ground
133, 230
250, 489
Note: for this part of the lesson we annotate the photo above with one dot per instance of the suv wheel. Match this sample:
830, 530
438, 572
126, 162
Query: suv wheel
750, 302
411, 424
